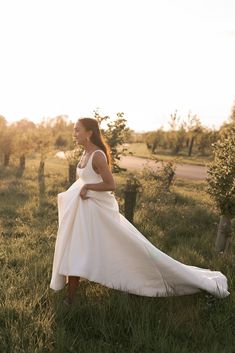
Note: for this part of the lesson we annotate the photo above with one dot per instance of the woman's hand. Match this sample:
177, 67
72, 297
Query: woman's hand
83, 192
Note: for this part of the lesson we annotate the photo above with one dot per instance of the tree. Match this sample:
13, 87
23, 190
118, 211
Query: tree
193, 128
115, 135
177, 133
42, 144
230, 123
61, 130
154, 139
3, 127
205, 140
221, 184
23, 131
7, 144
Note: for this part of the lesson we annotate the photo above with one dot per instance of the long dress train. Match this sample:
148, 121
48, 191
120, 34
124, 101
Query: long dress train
95, 241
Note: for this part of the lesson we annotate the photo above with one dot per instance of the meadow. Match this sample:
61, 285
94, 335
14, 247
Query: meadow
33, 319
140, 150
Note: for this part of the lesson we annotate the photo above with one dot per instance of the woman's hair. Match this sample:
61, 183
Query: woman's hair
97, 137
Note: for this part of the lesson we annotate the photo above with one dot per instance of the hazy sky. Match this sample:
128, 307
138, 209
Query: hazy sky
144, 58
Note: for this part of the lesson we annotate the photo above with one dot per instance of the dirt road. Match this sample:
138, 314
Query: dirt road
188, 171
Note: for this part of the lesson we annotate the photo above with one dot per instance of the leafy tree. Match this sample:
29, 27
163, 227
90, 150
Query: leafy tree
42, 144
221, 184
3, 127
205, 139
61, 142
61, 130
193, 129
7, 144
155, 139
115, 135
177, 133
23, 140
163, 177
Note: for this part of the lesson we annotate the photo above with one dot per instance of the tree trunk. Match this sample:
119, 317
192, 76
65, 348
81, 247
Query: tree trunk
6, 159
130, 202
170, 178
41, 171
72, 173
22, 162
177, 149
41, 180
191, 146
223, 234
154, 146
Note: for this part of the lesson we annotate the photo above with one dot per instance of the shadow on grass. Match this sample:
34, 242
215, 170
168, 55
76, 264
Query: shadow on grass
115, 321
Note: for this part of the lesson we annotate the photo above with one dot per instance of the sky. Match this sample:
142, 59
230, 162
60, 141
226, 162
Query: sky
144, 58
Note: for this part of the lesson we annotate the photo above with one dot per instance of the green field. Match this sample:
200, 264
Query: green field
33, 319
141, 150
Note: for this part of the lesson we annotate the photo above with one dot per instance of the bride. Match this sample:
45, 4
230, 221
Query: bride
95, 241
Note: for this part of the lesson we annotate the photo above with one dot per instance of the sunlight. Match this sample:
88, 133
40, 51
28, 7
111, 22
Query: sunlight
143, 58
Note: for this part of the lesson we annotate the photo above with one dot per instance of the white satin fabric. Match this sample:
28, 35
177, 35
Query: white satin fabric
98, 243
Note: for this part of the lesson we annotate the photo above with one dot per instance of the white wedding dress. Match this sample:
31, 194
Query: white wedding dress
98, 243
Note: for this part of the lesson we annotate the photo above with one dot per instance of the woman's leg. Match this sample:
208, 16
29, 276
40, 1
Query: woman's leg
72, 286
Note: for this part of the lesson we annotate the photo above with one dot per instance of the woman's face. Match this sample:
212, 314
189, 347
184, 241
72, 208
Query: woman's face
80, 134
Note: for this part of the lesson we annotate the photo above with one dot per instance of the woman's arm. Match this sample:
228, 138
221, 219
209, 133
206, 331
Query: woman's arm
102, 186
100, 164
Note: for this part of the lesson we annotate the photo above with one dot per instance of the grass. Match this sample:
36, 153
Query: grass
32, 319
141, 150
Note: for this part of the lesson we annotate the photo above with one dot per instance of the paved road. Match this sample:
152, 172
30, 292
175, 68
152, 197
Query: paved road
188, 171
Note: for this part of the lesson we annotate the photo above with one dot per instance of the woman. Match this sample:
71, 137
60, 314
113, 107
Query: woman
97, 242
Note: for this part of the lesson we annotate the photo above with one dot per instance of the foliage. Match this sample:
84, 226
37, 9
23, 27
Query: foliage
186, 136
73, 156
43, 139
23, 136
221, 173
133, 183
163, 177
62, 130
115, 135
178, 133
7, 140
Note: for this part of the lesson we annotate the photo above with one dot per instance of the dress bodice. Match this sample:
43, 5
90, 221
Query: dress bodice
87, 173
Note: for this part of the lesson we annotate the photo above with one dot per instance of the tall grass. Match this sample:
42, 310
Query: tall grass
33, 319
